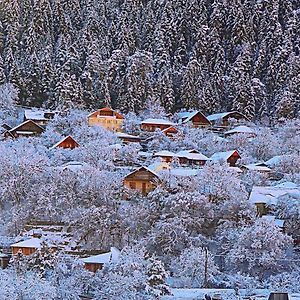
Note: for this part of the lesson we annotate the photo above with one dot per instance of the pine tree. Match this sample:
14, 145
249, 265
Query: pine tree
157, 276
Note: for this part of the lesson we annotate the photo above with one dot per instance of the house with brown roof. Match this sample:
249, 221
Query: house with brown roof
66, 143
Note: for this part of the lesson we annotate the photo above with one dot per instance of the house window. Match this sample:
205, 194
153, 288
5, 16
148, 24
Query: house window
132, 185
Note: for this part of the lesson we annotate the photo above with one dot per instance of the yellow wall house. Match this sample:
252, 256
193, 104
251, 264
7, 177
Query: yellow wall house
107, 118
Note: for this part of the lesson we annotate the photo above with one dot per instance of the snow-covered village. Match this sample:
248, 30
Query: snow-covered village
105, 205
149, 150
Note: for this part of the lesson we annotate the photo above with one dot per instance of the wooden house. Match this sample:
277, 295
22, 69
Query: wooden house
128, 138
96, 262
107, 118
4, 260
151, 125
145, 179
195, 118
222, 119
182, 155
26, 129
6, 126
28, 247
66, 143
170, 131
243, 130
39, 116
231, 157
165, 156
260, 168
264, 197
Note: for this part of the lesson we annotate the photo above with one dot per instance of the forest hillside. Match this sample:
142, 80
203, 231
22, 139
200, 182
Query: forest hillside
205, 54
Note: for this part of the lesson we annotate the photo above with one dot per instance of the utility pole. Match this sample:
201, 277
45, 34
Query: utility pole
205, 267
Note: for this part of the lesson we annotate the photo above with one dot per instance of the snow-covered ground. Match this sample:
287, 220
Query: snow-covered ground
198, 294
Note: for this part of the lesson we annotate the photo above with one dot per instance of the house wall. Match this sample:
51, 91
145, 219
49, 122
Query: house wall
25, 251
109, 123
153, 127
93, 267
68, 144
233, 159
143, 181
200, 121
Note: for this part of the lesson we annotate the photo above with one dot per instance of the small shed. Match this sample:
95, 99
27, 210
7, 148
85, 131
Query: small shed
4, 260
96, 262
279, 296
66, 143
231, 157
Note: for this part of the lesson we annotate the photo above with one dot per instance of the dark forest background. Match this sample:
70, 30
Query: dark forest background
205, 54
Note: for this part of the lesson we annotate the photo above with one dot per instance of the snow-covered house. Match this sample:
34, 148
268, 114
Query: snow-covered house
144, 179
66, 143
191, 157
29, 246
25, 129
128, 138
264, 197
170, 131
96, 262
165, 156
261, 168
195, 118
231, 157
244, 130
222, 119
151, 125
107, 118
39, 116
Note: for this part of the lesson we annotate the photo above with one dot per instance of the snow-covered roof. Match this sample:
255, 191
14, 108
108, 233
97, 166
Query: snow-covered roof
271, 194
20, 125
276, 160
126, 135
187, 115
35, 115
111, 256
277, 222
222, 115
240, 129
158, 166
30, 243
196, 156
183, 153
164, 153
158, 121
222, 155
184, 172
75, 166
218, 116
255, 167
144, 154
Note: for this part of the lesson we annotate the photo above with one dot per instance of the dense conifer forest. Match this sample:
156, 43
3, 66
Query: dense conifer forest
205, 54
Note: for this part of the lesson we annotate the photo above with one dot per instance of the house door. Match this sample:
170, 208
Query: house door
144, 188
